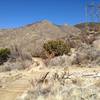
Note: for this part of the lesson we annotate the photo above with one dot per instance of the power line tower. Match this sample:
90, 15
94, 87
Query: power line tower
90, 14
98, 13
90, 11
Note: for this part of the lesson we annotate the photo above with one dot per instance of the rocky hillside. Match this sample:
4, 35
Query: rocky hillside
32, 36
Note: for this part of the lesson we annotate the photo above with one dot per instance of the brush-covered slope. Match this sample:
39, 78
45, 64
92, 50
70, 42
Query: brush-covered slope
91, 26
91, 32
31, 37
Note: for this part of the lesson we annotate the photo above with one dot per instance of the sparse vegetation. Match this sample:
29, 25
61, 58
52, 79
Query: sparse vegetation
61, 61
18, 59
56, 78
56, 48
4, 55
61, 85
87, 55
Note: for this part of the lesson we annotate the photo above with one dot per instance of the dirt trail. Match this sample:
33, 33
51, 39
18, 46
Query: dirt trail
15, 87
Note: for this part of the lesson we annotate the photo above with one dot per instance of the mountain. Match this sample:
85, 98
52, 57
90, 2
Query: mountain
32, 36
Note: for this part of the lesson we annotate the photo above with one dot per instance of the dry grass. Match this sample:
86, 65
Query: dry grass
61, 85
52, 83
18, 59
97, 83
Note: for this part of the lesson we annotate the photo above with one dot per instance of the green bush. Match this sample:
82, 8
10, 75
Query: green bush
56, 47
4, 55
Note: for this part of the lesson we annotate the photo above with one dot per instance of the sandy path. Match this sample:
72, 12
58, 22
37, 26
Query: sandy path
14, 89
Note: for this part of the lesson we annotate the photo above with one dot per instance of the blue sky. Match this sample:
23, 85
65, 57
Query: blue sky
16, 13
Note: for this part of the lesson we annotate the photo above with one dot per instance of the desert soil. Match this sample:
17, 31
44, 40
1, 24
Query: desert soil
13, 84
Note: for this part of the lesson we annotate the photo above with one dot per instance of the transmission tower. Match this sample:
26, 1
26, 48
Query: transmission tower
98, 13
90, 14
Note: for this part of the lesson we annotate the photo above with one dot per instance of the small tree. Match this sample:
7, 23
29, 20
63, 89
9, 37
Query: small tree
4, 55
56, 48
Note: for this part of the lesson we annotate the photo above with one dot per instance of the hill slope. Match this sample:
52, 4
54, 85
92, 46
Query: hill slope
32, 36
91, 26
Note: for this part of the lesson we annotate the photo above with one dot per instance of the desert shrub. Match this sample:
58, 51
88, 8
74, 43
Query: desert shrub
56, 47
18, 59
60, 61
18, 64
88, 38
73, 41
18, 53
87, 55
4, 55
